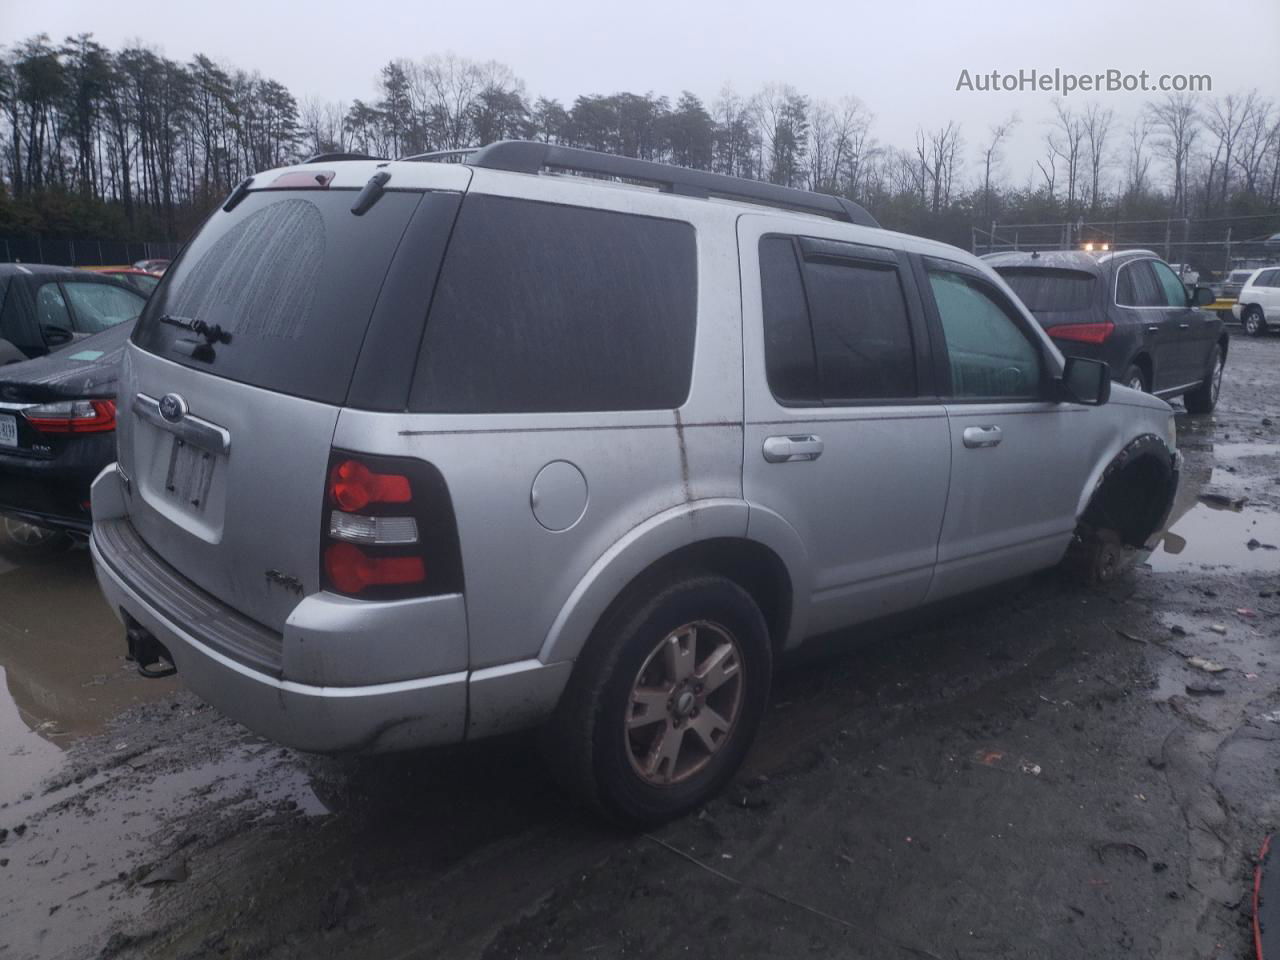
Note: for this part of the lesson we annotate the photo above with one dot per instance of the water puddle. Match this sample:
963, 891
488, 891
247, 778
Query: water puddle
1209, 536
62, 669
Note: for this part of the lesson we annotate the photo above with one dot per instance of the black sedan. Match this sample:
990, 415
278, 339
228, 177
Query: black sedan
57, 432
1129, 309
45, 308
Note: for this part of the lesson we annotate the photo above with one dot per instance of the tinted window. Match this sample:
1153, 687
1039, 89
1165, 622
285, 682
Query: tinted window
51, 308
989, 355
1270, 278
1175, 294
860, 330
1051, 291
542, 307
790, 365
97, 306
1240, 276
1137, 286
293, 276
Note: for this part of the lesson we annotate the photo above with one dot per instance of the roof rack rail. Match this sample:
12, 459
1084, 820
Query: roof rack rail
336, 157
524, 156
437, 155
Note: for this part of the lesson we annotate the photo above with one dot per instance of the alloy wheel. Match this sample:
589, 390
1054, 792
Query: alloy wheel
685, 702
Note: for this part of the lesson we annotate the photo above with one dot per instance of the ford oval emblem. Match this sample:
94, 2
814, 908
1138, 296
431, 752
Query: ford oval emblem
172, 407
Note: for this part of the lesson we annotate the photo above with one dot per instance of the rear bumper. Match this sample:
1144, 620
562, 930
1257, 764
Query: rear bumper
50, 493
242, 668
385, 716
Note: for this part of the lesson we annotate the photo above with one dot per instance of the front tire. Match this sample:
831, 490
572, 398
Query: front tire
664, 701
23, 542
1204, 398
1255, 324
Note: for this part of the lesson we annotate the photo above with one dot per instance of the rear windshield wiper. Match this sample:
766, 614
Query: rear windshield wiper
212, 332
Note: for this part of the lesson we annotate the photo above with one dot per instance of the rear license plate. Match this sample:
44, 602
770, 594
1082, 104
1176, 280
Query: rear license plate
190, 473
8, 431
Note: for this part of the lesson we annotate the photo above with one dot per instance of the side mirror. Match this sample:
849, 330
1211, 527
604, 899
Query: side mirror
1085, 381
1202, 297
55, 336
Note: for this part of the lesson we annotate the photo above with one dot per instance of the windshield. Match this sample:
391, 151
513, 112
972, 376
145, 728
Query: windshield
1050, 291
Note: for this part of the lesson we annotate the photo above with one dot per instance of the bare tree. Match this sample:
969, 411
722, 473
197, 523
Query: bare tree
992, 155
1226, 119
1097, 127
937, 154
1139, 162
1178, 123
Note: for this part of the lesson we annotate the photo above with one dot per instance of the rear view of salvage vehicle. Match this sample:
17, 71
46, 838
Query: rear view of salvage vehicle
416, 453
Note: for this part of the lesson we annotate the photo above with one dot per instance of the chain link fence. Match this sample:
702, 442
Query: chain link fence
65, 252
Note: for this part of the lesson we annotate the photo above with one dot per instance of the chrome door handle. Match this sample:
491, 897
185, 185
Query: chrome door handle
792, 449
1184, 326
1153, 328
976, 437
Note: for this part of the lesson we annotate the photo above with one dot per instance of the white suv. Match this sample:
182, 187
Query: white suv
1258, 303
414, 453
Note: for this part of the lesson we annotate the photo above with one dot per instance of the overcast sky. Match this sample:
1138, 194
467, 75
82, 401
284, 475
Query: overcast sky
902, 58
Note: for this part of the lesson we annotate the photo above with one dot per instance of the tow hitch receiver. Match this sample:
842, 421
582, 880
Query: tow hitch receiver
147, 652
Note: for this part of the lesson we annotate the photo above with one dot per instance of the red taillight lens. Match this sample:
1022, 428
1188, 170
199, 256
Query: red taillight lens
1083, 332
73, 416
351, 570
353, 486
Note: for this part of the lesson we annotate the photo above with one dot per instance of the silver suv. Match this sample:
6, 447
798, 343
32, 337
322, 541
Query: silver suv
416, 452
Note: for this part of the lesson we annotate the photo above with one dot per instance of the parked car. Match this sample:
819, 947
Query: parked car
156, 265
44, 308
640, 444
1228, 288
1259, 299
1129, 309
57, 432
140, 280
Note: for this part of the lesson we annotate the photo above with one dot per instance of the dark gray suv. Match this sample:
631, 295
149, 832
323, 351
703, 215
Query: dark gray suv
1130, 310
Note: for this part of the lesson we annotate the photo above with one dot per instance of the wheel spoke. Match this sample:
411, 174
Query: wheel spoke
648, 706
679, 655
664, 753
709, 727
718, 668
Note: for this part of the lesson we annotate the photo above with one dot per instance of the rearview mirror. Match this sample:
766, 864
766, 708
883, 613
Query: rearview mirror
1085, 381
1202, 297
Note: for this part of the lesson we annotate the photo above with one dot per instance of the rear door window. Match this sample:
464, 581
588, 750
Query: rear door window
791, 367
543, 307
293, 276
860, 330
836, 326
1051, 291
97, 306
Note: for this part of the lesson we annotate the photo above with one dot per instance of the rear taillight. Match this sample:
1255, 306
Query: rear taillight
1083, 332
389, 529
73, 416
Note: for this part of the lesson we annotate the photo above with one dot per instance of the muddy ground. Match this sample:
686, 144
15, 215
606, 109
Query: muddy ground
1038, 773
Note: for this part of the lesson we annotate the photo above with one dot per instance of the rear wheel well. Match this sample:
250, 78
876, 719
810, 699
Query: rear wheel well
1134, 495
1223, 341
1143, 362
751, 565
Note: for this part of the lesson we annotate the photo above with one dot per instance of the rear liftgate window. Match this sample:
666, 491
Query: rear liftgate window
543, 308
292, 276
